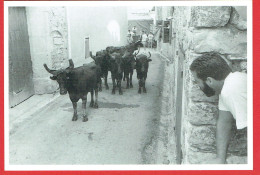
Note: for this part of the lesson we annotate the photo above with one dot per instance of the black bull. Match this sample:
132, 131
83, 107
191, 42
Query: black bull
102, 60
122, 61
142, 65
112, 60
78, 82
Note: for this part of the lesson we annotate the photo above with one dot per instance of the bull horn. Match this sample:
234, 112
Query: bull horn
149, 55
71, 64
48, 70
137, 52
90, 53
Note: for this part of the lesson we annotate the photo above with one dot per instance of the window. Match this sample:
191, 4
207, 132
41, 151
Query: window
167, 27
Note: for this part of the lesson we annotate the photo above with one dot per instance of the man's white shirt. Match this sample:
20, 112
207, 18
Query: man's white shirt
233, 97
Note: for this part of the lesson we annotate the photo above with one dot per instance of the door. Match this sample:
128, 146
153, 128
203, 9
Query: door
179, 105
20, 65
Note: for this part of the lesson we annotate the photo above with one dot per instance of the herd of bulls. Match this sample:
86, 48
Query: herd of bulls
120, 61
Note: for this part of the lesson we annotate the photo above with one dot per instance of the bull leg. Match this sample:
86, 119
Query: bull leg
144, 89
127, 81
100, 85
84, 103
96, 98
114, 85
131, 75
119, 87
124, 76
140, 85
106, 80
75, 115
92, 99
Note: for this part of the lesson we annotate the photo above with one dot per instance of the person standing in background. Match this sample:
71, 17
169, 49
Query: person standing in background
144, 39
134, 30
129, 37
150, 40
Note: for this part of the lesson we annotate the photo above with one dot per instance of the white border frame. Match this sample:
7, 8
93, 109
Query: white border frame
248, 166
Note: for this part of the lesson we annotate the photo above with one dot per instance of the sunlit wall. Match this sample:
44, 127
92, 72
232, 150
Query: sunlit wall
105, 26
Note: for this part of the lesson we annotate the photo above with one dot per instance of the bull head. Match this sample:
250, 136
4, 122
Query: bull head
61, 76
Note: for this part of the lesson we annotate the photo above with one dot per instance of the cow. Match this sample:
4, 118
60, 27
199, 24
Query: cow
102, 59
142, 65
78, 82
128, 67
116, 68
116, 63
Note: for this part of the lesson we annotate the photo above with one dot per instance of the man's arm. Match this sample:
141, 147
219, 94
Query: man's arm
224, 126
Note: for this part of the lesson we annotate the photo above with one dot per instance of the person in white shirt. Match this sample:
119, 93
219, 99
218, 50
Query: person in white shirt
134, 30
150, 40
214, 77
129, 37
144, 39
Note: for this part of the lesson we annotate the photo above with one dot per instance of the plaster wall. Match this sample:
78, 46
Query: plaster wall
47, 29
105, 26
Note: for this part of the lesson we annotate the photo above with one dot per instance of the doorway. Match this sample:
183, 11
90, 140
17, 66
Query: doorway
20, 64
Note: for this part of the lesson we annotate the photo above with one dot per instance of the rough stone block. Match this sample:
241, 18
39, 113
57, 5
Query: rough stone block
237, 160
227, 40
210, 16
237, 18
195, 157
238, 143
202, 113
197, 95
238, 66
202, 138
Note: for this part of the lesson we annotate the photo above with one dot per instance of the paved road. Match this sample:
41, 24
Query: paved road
121, 131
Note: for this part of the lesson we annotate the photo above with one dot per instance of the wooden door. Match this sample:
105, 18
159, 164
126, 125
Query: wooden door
179, 105
20, 65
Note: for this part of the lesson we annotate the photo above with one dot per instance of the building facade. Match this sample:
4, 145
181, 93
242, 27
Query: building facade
53, 35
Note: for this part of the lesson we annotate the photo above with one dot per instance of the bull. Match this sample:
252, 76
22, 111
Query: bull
129, 66
102, 60
78, 82
142, 65
116, 64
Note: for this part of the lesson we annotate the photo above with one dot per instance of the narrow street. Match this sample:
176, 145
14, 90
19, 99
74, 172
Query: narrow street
121, 131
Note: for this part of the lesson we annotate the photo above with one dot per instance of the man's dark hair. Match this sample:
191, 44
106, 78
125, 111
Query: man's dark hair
210, 65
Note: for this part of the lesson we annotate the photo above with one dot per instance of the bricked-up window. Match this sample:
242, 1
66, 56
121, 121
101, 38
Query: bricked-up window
167, 31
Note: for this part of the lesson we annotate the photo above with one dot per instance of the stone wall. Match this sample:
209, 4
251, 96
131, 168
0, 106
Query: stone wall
47, 29
198, 30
